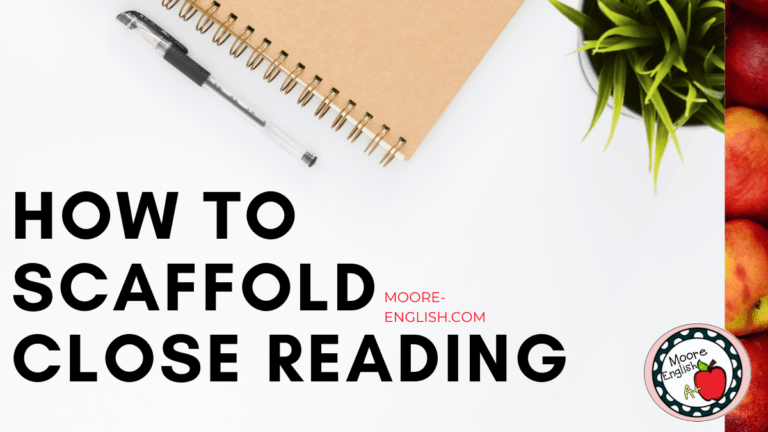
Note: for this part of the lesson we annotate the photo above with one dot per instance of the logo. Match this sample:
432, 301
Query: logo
697, 372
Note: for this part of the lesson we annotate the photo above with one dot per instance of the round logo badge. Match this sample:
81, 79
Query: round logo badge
697, 372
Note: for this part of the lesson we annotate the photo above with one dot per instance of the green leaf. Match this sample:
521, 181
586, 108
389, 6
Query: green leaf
711, 60
712, 4
588, 45
582, 21
678, 83
716, 105
662, 138
649, 118
708, 63
701, 15
702, 366
676, 26
680, 64
665, 37
616, 18
683, 119
619, 89
621, 8
645, 11
624, 43
681, 96
604, 87
641, 62
711, 118
661, 109
642, 32
690, 99
716, 79
709, 55
709, 91
700, 81
663, 69
700, 31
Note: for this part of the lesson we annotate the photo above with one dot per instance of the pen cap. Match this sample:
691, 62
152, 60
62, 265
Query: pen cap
147, 31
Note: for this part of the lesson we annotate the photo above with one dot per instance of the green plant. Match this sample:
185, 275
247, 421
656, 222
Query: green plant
663, 58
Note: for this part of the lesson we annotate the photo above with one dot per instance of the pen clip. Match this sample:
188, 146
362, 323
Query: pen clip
162, 33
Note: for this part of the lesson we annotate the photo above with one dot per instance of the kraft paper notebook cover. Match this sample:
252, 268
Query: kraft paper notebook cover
389, 67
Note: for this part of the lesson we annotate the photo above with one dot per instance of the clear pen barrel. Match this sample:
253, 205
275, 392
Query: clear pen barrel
273, 132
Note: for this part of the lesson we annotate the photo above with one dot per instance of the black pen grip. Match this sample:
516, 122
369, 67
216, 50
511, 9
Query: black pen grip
186, 65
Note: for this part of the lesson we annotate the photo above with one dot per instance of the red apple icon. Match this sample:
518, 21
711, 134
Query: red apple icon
710, 380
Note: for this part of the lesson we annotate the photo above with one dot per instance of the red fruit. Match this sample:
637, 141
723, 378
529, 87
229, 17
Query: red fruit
711, 383
746, 61
746, 164
757, 7
728, 12
751, 415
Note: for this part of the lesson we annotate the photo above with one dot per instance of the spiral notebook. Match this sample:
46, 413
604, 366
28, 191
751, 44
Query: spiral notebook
389, 68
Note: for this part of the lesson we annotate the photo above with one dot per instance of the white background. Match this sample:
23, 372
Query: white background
502, 210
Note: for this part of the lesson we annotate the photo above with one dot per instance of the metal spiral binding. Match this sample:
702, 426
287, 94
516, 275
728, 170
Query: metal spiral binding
377, 139
358, 129
223, 30
393, 150
239, 46
292, 79
257, 56
274, 68
342, 117
189, 9
309, 92
325, 105
204, 26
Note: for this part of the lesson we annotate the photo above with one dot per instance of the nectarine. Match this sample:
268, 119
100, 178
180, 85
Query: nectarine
728, 12
746, 277
746, 62
746, 164
752, 413
757, 7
